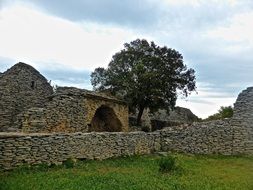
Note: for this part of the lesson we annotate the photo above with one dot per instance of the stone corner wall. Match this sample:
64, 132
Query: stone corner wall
228, 137
242, 122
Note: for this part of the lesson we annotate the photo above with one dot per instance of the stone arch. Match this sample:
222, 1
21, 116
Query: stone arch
105, 119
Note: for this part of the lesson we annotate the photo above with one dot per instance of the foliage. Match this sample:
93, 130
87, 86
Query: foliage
224, 112
167, 164
69, 163
146, 76
138, 172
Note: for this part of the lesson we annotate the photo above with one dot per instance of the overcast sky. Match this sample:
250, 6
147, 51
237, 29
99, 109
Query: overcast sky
65, 40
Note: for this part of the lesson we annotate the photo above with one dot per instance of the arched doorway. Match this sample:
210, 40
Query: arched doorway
105, 120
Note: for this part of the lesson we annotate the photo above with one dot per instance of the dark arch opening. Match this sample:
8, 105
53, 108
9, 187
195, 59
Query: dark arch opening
105, 120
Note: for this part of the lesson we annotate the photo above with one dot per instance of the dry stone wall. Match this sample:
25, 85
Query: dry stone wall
215, 137
17, 149
61, 114
64, 112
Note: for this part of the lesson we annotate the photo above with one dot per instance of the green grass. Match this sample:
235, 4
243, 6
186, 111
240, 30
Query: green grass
139, 172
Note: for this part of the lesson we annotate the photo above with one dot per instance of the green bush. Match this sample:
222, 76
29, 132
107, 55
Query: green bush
224, 112
167, 164
69, 163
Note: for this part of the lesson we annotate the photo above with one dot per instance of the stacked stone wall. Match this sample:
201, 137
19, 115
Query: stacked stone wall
61, 114
17, 149
215, 137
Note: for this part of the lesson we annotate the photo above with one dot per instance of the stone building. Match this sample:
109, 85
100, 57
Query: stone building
28, 104
21, 87
71, 109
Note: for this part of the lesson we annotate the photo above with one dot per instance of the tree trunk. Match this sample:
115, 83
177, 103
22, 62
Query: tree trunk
141, 109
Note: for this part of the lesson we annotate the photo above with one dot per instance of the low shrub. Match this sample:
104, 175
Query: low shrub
69, 163
167, 164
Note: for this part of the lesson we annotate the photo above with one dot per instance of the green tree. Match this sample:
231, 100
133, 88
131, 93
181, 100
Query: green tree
224, 112
146, 76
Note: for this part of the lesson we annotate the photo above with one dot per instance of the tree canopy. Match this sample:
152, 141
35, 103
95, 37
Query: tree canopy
224, 112
146, 76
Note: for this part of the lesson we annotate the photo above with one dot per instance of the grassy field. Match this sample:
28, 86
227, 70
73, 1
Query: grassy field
141, 172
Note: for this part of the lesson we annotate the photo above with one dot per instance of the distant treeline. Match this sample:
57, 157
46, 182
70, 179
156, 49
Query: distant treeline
223, 112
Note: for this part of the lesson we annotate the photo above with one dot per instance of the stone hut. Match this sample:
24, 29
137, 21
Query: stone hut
21, 87
28, 104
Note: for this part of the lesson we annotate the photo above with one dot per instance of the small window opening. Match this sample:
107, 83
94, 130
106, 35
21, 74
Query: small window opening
32, 84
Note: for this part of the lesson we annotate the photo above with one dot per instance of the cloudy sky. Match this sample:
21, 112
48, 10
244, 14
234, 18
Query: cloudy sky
65, 40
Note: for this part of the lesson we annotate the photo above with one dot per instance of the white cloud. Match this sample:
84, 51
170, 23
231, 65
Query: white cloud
239, 30
182, 2
31, 36
198, 2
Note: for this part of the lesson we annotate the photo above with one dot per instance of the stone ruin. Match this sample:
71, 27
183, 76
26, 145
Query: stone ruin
29, 104
162, 119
